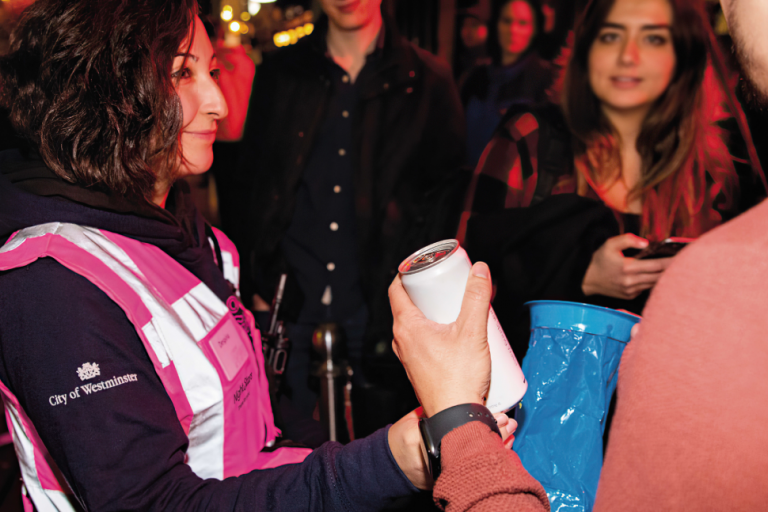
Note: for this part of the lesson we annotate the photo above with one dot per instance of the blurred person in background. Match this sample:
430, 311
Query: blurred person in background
472, 50
348, 164
516, 74
634, 154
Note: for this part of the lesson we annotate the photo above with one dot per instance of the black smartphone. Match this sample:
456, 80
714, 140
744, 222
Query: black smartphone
663, 249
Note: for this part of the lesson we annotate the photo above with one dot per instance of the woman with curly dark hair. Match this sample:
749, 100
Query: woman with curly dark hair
635, 153
131, 375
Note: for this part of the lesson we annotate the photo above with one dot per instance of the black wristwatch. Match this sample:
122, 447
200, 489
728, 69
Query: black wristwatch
435, 428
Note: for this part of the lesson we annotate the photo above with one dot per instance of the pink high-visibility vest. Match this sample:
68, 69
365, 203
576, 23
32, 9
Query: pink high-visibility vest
210, 367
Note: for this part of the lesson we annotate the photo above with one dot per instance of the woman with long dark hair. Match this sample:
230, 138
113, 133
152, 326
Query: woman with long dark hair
515, 75
132, 376
633, 155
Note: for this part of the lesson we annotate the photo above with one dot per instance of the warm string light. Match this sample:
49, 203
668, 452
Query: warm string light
226, 13
289, 37
253, 7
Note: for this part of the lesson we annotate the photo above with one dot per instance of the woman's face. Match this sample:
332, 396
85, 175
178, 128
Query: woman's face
473, 32
516, 27
632, 60
201, 100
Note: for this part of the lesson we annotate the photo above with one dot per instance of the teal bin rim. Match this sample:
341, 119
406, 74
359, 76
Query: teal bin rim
580, 317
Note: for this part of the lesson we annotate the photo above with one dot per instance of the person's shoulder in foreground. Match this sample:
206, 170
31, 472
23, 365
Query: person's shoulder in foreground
690, 429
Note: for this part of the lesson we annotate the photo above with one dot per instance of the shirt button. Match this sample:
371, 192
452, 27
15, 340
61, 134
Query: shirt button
345, 114
337, 189
331, 267
345, 79
334, 226
342, 152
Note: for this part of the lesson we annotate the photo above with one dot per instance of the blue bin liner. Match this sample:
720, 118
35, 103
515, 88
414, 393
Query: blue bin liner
572, 368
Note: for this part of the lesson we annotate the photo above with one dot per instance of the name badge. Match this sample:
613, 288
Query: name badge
228, 348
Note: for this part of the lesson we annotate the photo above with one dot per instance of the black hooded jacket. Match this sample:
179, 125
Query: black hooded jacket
124, 449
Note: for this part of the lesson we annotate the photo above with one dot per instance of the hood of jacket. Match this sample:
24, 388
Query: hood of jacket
31, 194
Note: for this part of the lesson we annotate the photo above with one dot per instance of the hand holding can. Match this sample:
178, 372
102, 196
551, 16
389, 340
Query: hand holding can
447, 365
435, 279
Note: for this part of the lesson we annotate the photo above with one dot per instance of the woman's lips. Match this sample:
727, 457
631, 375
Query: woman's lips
625, 82
348, 8
205, 134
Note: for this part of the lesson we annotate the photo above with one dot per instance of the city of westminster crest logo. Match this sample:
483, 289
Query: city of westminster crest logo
88, 371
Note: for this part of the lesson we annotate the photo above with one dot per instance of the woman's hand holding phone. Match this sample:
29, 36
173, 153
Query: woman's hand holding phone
612, 274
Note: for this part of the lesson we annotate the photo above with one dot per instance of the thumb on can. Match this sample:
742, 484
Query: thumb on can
473, 317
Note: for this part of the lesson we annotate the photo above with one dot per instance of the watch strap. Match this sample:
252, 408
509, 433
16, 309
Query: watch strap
438, 426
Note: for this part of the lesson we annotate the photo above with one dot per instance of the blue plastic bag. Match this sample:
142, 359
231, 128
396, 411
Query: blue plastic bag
572, 368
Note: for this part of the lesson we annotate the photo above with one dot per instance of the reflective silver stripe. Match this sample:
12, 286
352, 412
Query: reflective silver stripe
45, 500
231, 272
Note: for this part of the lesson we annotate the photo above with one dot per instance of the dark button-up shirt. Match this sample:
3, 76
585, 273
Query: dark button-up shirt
320, 244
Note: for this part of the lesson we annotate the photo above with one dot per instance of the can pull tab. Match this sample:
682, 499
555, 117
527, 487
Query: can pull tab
429, 258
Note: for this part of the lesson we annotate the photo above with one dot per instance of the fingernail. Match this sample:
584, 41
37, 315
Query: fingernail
480, 271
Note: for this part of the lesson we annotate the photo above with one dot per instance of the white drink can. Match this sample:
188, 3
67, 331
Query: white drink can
435, 278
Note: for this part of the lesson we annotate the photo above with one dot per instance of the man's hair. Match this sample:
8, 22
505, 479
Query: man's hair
88, 85
677, 143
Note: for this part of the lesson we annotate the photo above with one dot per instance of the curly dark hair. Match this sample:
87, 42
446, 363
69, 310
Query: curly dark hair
88, 85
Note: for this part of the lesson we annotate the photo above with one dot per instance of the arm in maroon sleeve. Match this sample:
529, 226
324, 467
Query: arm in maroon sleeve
480, 475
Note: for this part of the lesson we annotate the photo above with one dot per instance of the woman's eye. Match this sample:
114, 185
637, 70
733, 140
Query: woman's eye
182, 73
216, 74
608, 37
656, 40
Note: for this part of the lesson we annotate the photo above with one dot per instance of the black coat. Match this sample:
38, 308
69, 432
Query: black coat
408, 148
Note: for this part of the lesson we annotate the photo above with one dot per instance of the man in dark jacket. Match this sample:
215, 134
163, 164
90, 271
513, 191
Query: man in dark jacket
348, 164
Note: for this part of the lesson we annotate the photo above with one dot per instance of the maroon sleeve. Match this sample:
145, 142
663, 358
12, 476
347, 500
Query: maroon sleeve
480, 475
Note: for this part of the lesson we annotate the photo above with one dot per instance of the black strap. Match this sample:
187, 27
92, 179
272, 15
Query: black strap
452, 418
216, 248
554, 153
438, 426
